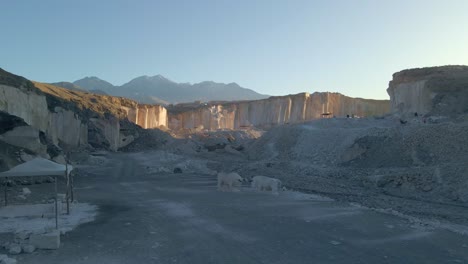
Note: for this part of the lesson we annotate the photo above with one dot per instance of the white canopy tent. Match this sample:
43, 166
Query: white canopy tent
40, 167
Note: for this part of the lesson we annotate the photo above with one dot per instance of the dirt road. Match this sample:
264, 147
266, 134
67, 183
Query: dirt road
182, 218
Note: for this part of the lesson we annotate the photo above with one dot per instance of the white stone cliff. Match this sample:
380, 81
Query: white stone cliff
72, 118
273, 111
430, 91
146, 116
61, 124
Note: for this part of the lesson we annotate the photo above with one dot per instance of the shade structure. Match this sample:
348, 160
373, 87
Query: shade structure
37, 167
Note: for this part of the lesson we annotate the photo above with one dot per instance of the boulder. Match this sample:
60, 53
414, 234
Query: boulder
4, 259
26, 191
28, 248
14, 249
50, 240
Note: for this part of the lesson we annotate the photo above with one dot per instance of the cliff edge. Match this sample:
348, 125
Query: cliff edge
440, 91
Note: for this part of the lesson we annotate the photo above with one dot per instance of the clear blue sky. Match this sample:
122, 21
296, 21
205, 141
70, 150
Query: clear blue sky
274, 47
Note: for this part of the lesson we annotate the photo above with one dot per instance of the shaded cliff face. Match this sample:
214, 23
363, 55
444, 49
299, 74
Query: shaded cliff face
430, 91
73, 118
103, 114
272, 111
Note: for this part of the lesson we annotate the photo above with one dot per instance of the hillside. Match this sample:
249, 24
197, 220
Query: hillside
69, 86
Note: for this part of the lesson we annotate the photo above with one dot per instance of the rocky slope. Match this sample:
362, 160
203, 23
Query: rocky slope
416, 169
69, 86
440, 91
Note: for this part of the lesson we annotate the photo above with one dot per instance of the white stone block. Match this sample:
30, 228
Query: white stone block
15, 249
49, 240
27, 248
26, 191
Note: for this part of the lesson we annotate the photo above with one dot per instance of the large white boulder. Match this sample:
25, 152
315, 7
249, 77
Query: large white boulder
14, 249
263, 183
229, 181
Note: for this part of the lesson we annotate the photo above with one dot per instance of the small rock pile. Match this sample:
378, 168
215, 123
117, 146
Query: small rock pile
28, 242
4, 259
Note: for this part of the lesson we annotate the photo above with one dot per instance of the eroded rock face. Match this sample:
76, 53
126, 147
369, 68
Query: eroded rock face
71, 118
147, 116
61, 125
272, 111
20, 142
430, 91
25, 137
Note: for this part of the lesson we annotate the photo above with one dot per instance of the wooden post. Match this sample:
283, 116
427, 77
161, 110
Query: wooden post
68, 188
56, 204
6, 191
72, 185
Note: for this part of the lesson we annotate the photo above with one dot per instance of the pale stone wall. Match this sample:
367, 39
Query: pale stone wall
32, 107
61, 124
110, 129
440, 91
68, 127
147, 116
275, 111
410, 97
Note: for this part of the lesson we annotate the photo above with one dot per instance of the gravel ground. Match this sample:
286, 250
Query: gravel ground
147, 216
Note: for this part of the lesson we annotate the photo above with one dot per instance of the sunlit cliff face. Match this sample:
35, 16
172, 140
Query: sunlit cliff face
275, 111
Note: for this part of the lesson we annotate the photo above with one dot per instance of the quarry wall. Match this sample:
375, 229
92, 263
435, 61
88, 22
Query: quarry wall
430, 91
273, 111
146, 116
75, 126
60, 124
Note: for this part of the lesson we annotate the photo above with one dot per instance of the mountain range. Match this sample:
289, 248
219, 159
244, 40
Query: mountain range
160, 90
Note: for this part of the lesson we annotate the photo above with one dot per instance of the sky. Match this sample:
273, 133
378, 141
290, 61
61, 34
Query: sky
273, 47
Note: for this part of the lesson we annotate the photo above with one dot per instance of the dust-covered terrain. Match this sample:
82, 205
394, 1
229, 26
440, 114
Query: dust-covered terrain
148, 215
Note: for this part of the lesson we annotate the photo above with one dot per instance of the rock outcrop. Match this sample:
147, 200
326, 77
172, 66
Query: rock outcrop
146, 116
72, 118
272, 111
19, 141
441, 91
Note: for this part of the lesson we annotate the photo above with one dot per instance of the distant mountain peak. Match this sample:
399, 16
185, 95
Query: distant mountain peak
159, 76
92, 78
94, 83
158, 89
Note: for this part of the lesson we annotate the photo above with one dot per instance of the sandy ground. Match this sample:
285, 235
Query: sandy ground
152, 216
